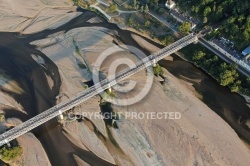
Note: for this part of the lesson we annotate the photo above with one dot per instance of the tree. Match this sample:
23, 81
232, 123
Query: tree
231, 20
241, 18
75, 2
161, 11
234, 29
135, 3
137, 7
204, 20
155, 2
236, 86
8, 154
146, 8
195, 9
130, 21
207, 11
112, 8
219, 13
248, 81
185, 27
198, 56
156, 7
223, 66
158, 70
214, 7
167, 40
226, 78
147, 24
157, 24
142, 9
246, 34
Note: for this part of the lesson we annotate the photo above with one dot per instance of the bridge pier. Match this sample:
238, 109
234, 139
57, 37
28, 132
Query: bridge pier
196, 40
60, 115
7, 143
109, 88
154, 63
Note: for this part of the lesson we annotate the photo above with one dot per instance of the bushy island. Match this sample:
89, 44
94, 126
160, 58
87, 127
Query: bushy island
8, 154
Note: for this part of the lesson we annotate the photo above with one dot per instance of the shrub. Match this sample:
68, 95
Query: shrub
158, 70
185, 27
161, 11
147, 24
8, 154
112, 8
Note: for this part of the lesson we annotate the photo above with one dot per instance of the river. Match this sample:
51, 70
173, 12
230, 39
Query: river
16, 60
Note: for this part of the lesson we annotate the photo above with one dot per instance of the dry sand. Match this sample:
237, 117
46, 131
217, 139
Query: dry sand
231, 106
30, 16
200, 137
